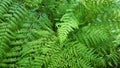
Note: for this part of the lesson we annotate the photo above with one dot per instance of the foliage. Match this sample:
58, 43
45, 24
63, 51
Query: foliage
59, 33
32, 3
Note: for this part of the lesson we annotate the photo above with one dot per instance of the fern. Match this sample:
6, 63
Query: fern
32, 3
59, 33
12, 21
69, 24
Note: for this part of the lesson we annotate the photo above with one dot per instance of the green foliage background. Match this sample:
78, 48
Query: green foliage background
59, 33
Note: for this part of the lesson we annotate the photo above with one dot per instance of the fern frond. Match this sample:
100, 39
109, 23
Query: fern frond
76, 55
13, 18
100, 41
69, 23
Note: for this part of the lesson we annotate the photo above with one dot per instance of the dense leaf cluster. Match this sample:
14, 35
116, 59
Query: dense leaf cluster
59, 33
